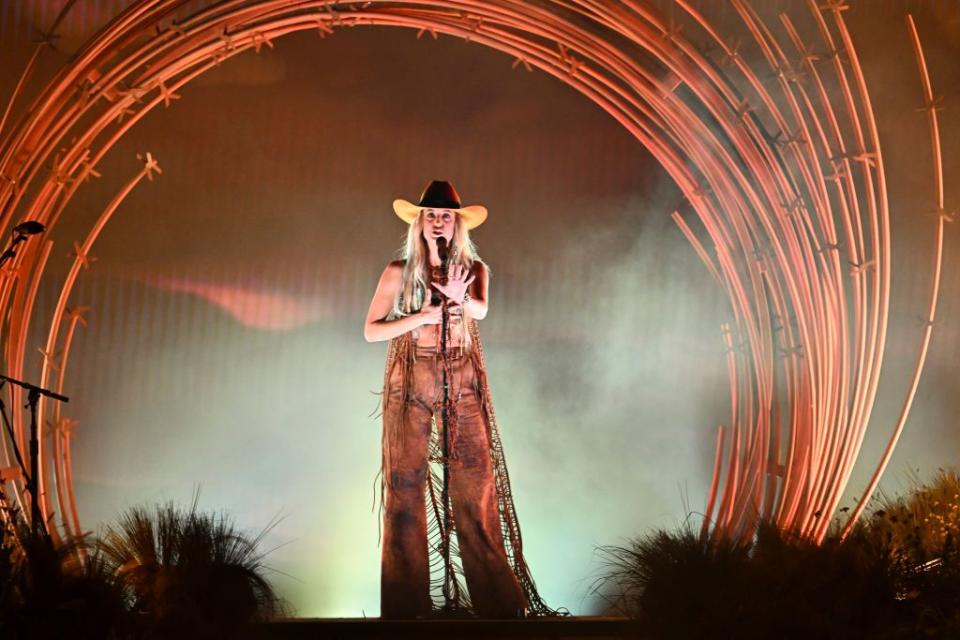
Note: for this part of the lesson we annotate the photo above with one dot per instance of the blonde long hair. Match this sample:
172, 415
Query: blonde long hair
416, 254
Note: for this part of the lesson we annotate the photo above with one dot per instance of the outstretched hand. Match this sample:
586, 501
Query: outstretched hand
457, 283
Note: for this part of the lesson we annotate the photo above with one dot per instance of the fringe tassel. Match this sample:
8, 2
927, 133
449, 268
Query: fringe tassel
401, 353
510, 525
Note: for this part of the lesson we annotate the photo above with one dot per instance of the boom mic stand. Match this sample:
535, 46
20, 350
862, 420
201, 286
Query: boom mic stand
33, 398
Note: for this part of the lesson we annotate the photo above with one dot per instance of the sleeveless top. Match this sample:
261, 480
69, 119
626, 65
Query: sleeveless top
455, 326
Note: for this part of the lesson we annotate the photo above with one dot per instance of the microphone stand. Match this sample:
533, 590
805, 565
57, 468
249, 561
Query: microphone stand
20, 233
448, 577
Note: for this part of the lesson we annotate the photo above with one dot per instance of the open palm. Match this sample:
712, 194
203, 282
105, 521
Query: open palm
457, 283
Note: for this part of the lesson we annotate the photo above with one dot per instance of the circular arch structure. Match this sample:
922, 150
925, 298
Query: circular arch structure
783, 176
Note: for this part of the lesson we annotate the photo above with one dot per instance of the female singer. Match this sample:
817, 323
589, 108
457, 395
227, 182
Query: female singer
488, 543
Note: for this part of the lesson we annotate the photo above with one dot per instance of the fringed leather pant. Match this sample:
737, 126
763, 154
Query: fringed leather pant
405, 575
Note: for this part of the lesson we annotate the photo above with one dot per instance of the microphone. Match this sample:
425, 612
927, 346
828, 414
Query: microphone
29, 228
20, 233
442, 251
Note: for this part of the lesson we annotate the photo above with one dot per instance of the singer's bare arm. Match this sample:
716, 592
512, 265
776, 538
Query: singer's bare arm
377, 328
479, 291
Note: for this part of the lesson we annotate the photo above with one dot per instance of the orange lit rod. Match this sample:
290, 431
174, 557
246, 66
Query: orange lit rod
780, 172
943, 216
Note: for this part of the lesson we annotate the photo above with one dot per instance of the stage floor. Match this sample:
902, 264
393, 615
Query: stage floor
571, 627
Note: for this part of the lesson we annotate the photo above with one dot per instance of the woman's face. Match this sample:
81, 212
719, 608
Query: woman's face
438, 222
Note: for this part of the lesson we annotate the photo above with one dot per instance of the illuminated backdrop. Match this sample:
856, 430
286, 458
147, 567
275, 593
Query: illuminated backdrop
224, 341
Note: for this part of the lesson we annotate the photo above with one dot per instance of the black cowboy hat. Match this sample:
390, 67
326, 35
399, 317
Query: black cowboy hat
440, 194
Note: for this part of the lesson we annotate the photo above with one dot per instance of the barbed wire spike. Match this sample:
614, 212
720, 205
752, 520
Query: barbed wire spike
520, 59
85, 259
258, 40
77, 313
50, 358
149, 165
168, 95
323, 28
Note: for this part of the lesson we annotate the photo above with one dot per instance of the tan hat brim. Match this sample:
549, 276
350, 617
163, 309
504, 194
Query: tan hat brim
473, 215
